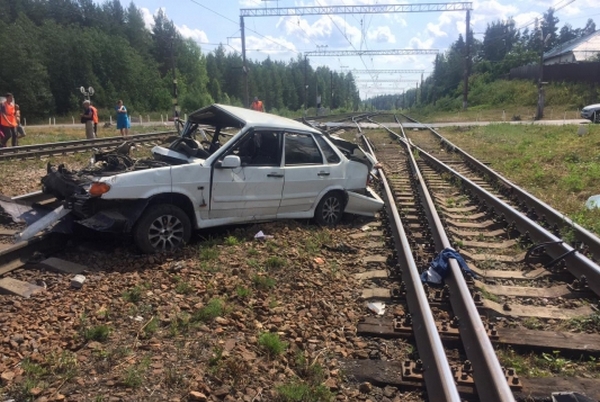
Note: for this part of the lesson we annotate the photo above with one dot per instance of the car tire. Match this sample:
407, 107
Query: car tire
162, 228
596, 117
330, 209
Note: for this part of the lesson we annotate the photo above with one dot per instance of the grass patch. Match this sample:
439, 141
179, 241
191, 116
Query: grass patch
133, 295
489, 296
275, 262
232, 241
180, 324
98, 333
213, 309
590, 323
208, 253
533, 323
301, 392
134, 376
261, 282
243, 292
272, 344
182, 287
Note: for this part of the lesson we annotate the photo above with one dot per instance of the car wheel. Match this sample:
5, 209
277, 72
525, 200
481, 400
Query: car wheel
330, 209
162, 227
596, 117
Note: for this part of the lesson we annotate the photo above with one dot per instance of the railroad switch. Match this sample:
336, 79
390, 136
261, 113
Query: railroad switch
412, 370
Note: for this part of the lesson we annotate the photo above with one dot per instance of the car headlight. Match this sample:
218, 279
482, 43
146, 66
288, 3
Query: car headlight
98, 188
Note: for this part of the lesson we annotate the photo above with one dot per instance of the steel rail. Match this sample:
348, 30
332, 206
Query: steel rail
489, 376
439, 380
541, 209
576, 262
27, 151
20, 253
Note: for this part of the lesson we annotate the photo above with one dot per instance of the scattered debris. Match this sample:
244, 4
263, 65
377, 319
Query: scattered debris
20, 288
570, 397
261, 236
63, 266
582, 130
593, 202
77, 281
341, 248
377, 307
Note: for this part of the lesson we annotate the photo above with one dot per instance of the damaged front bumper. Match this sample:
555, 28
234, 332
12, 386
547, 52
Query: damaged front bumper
363, 204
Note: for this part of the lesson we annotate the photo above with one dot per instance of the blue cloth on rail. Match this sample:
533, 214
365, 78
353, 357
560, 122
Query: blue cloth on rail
440, 267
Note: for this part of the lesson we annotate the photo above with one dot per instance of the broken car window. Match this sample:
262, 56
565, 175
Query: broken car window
301, 149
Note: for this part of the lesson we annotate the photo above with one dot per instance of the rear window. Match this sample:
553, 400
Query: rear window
301, 149
330, 155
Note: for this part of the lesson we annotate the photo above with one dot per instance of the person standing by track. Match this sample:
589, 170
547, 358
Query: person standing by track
87, 118
8, 121
95, 119
257, 105
20, 129
122, 118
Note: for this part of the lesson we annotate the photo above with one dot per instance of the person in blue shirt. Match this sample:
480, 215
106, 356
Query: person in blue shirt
122, 118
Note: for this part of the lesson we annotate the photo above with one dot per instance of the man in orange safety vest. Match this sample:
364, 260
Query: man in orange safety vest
257, 105
8, 121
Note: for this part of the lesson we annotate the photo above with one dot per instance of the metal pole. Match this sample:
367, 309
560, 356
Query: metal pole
331, 90
467, 63
175, 94
244, 67
540, 105
305, 84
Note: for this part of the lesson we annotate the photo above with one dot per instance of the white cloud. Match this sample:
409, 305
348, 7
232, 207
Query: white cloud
526, 18
196, 34
267, 45
382, 34
332, 30
436, 30
148, 17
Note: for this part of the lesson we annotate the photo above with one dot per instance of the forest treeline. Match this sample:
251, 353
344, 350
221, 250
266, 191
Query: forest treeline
503, 47
51, 48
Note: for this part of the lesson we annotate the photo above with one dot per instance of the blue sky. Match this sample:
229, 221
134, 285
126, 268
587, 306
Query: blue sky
283, 38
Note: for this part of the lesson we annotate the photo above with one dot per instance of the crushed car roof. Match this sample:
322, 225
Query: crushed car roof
232, 116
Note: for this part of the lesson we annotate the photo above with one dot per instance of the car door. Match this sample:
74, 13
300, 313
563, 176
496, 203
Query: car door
307, 172
253, 190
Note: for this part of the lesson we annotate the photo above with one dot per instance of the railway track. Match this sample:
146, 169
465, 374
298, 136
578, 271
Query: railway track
456, 342
513, 290
67, 147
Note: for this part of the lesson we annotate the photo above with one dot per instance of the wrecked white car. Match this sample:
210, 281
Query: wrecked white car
272, 168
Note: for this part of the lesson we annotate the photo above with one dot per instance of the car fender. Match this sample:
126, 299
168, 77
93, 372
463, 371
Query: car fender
324, 192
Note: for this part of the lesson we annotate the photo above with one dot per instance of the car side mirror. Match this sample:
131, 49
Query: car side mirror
230, 162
